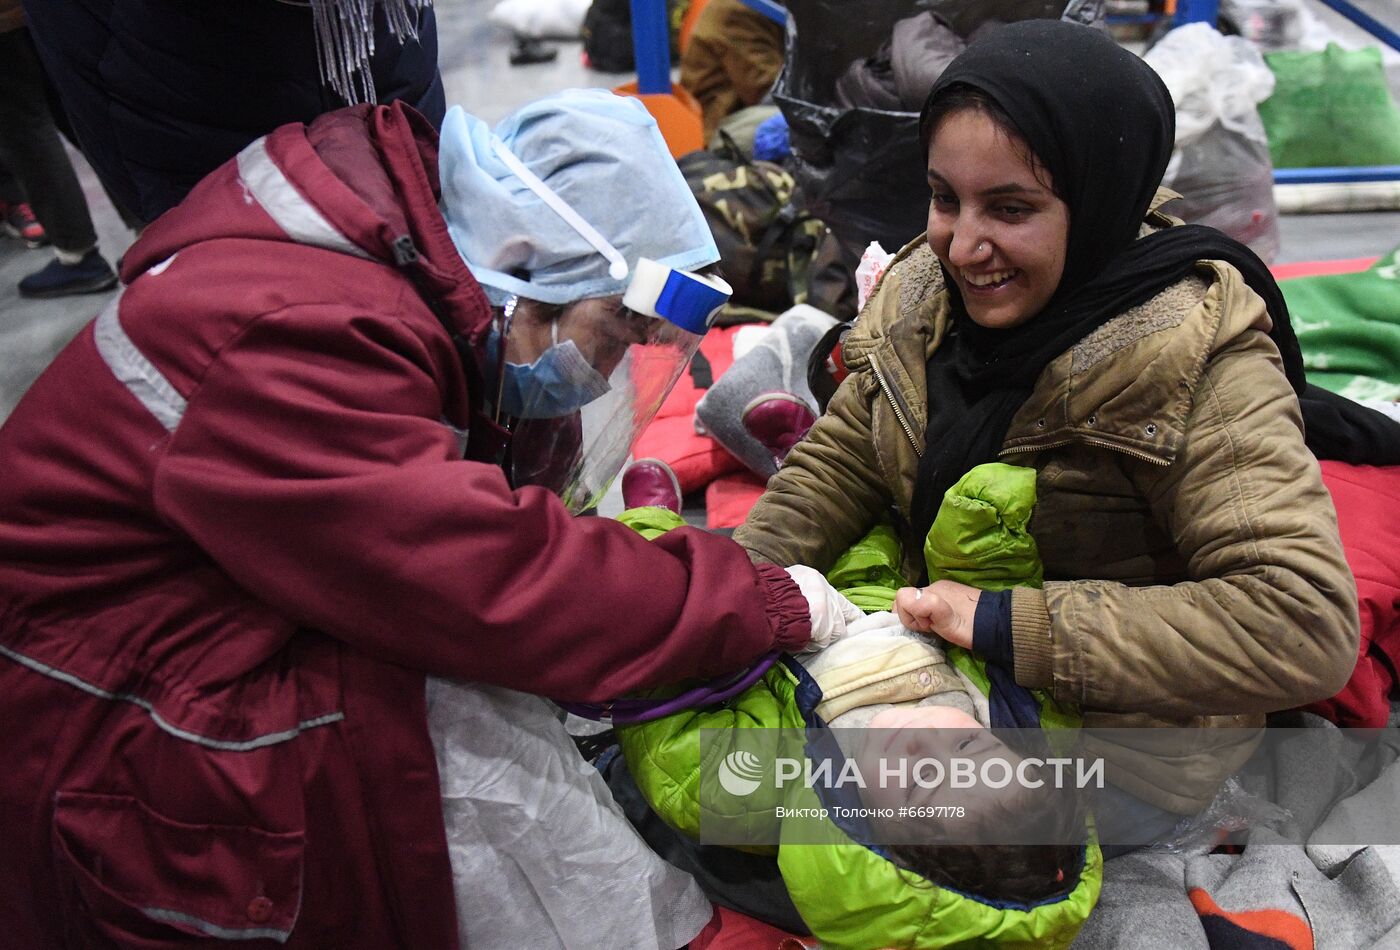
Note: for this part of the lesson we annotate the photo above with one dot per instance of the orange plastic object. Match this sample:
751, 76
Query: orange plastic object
692, 14
1321, 268
678, 115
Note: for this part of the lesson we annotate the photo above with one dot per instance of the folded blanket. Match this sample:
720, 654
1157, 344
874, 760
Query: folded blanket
1348, 326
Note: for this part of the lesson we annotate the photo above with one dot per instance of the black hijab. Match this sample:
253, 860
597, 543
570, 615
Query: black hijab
1102, 123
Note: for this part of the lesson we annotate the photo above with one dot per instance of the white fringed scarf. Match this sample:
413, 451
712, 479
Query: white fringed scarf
345, 40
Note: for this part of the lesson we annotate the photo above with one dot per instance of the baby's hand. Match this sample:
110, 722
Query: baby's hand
945, 608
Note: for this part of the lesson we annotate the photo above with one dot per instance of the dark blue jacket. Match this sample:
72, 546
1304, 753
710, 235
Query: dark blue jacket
162, 92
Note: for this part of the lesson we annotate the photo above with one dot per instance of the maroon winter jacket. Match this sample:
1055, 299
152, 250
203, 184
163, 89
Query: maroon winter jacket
236, 530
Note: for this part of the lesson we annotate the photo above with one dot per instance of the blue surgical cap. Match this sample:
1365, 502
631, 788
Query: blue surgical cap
604, 156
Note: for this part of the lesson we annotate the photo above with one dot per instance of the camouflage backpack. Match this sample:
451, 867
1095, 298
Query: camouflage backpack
772, 253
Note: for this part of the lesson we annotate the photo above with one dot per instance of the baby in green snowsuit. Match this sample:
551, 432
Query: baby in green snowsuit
912, 691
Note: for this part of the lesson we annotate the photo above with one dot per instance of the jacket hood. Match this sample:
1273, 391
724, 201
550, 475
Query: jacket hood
361, 181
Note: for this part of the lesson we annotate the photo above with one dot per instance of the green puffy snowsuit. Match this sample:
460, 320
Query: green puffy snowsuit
849, 893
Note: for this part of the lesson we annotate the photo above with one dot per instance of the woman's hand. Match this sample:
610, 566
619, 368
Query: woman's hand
945, 608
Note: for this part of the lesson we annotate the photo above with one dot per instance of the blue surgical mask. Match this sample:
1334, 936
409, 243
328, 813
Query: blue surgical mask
561, 381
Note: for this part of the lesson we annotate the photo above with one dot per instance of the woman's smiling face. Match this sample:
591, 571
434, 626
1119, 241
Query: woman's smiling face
994, 221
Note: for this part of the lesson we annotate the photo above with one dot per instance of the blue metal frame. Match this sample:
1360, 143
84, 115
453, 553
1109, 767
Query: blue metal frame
1197, 11
1367, 22
1312, 176
651, 42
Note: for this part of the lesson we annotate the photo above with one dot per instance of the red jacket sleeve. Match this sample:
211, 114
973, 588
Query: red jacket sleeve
312, 467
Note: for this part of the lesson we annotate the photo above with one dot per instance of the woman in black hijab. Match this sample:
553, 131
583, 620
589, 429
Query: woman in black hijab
1054, 317
1103, 133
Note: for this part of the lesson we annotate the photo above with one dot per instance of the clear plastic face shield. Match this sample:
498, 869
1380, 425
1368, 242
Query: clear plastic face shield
577, 383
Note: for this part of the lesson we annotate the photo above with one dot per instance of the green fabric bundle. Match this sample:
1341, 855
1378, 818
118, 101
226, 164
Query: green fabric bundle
1331, 108
1348, 326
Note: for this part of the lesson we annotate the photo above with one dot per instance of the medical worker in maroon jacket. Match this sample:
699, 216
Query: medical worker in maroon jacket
238, 533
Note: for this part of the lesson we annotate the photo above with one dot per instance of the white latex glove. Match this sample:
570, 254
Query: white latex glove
831, 612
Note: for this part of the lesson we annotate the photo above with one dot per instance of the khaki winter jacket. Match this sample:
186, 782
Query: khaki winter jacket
731, 60
1194, 576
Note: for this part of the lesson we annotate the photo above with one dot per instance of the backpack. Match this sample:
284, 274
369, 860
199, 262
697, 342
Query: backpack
772, 253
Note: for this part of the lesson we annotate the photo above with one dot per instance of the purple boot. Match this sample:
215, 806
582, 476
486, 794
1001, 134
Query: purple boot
650, 483
778, 421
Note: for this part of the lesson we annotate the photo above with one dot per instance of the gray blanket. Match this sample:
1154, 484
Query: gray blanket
1306, 876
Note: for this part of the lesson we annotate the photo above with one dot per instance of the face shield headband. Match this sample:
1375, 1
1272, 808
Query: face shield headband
641, 349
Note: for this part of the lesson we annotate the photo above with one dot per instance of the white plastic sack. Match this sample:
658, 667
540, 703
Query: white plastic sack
561, 19
1212, 78
542, 857
1220, 163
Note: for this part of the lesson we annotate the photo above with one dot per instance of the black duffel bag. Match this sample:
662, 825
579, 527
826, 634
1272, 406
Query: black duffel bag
861, 169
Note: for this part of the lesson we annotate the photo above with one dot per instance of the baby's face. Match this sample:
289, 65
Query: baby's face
900, 738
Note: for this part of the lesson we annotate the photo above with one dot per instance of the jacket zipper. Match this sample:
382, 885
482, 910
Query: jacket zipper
894, 404
1090, 440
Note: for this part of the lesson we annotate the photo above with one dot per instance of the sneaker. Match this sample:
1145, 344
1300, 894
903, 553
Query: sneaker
650, 483
778, 421
528, 50
57, 279
17, 220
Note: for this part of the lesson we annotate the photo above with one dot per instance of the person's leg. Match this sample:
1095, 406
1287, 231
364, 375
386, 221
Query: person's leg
10, 191
31, 149
65, 129
16, 217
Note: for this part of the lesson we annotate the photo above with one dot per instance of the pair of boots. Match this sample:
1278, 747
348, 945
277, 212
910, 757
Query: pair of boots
776, 420
758, 409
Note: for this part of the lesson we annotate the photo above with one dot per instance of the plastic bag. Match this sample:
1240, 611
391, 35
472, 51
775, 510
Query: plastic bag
1212, 78
1232, 811
561, 19
869, 271
1221, 162
542, 856
1280, 25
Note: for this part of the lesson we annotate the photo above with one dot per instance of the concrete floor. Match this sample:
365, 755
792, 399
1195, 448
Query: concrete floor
473, 58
